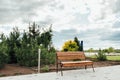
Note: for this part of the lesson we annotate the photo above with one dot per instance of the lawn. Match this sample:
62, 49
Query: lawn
113, 58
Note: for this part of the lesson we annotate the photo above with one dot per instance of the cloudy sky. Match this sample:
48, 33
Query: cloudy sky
96, 22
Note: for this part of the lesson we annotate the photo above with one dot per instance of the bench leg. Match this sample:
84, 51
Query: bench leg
61, 70
57, 68
85, 66
93, 68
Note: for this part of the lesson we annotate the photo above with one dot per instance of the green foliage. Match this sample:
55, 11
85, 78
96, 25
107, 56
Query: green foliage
22, 48
70, 46
46, 38
110, 49
3, 54
113, 58
45, 68
27, 55
78, 43
117, 50
90, 50
47, 57
33, 30
105, 50
101, 56
12, 41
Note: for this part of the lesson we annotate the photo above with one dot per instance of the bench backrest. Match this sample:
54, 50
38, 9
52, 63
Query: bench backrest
70, 56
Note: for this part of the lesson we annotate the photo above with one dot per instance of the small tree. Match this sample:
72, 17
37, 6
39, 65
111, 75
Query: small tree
3, 51
46, 38
91, 50
12, 41
110, 49
70, 46
101, 55
33, 30
22, 48
78, 43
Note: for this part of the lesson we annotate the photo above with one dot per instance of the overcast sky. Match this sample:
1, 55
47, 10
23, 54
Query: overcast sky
96, 22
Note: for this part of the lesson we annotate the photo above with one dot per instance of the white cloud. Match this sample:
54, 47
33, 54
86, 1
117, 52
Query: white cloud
102, 10
78, 15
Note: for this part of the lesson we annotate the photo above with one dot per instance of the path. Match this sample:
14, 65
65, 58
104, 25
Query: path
101, 73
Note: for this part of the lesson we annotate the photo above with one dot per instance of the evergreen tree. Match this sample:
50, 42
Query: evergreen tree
13, 40
23, 48
46, 38
78, 43
33, 30
81, 46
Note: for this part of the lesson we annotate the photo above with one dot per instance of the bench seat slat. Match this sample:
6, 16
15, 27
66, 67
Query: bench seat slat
76, 63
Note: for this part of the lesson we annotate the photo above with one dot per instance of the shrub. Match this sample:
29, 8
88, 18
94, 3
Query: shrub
70, 46
47, 57
27, 55
45, 68
3, 55
101, 56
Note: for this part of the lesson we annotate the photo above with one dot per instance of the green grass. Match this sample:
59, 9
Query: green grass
113, 58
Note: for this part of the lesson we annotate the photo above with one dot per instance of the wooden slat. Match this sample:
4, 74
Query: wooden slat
70, 55
76, 63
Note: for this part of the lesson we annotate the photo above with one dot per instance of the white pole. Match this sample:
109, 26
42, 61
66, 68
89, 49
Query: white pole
39, 60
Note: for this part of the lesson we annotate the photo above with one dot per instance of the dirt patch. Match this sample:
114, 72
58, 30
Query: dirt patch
106, 63
14, 69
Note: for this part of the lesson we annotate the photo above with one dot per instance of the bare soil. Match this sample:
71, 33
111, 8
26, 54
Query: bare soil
14, 69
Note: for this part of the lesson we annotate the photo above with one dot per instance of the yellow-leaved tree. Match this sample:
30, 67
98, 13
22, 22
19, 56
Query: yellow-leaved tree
70, 46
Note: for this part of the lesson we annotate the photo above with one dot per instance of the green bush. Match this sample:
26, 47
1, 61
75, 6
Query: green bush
70, 46
22, 48
27, 55
101, 56
47, 57
3, 55
45, 68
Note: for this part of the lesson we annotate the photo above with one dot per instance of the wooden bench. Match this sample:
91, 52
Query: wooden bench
71, 59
